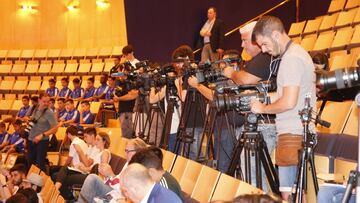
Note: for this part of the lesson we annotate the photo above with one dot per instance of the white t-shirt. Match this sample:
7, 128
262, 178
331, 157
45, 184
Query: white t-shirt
92, 152
73, 153
97, 157
134, 62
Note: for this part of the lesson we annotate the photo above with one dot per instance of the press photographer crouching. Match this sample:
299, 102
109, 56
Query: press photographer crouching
41, 125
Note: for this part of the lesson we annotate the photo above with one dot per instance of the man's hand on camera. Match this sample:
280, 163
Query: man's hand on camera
256, 106
228, 71
193, 82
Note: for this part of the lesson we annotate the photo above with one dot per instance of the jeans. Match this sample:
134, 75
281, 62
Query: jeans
269, 134
195, 146
68, 178
224, 144
332, 194
172, 142
126, 124
37, 153
93, 187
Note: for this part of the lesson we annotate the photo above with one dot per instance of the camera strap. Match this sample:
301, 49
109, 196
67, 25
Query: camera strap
41, 115
275, 63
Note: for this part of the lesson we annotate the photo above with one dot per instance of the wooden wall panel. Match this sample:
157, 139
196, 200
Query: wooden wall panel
53, 26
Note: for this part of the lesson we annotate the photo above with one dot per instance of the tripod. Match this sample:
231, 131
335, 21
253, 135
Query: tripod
253, 144
141, 113
156, 115
183, 138
354, 177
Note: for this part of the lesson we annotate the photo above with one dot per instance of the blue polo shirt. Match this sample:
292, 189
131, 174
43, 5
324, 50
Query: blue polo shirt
52, 92
89, 92
23, 110
101, 90
109, 93
65, 92
88, 117
62, 114
18, 141
74, 114
77, 93
4, 137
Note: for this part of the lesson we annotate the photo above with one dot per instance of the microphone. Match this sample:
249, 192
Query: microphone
118, 74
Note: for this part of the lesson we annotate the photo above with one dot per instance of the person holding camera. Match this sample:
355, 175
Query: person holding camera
42, 124
295, 79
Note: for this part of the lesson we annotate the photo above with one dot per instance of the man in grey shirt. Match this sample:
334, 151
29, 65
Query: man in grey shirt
295, 79
44, 124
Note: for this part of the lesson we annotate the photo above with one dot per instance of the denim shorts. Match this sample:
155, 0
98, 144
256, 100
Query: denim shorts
287, 176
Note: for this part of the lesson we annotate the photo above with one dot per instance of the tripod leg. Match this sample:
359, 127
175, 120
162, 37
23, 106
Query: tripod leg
313, 172
235, 158
258, 170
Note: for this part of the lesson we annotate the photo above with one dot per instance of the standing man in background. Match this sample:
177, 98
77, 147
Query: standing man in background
212, 37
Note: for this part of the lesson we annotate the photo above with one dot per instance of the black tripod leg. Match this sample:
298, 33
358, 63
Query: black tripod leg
313, 172
258, 170
235, 158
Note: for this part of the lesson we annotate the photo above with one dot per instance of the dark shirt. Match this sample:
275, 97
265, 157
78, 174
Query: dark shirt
195, 116
73, 114
64, 92
259, 66
23, 110
160, 194
52, 92
88, 117
18, 141
77, 93
125, 106
169, 182
89, 92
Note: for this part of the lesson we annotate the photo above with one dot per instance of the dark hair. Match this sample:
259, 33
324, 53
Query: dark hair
112, 78
2, 124
52, 100
91, 79
266, 25
72, 130
256, 198
30, 194
213, 8
69, 100
232, 52
90, 131
52, 80
157, 152
321, 59
61, 99
65, 79
147, 158
182, 52
76, 80
128, 49
18, 198
43, 94
35, 98
86, 103
105, 137
26, 97
17, 122
21, 168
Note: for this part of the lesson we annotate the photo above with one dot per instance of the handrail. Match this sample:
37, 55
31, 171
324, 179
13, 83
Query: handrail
253, 19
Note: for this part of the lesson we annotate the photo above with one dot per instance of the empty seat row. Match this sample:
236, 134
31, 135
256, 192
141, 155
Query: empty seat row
339, 5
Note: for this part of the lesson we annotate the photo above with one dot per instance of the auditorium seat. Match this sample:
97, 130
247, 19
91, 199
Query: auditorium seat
79, 53
345, 18
190, 175
27, 54
168, 159
3, 54
246, 188
40, 54
84, 80
34, 169
94, 107
116, 51
84, 67
15, 107
355, 40
296, 29
97, 81
337, 53
60, 199
105, 52
115, 139
47, 190
71, 67
6, 86
117, 163
109, 63
92, 53
14, 54
178, 169
53, 54
341, 61
226, 188
296, 40
66, 53
19, 86
355, 60
54, 196
205, 184
351, 127
45, 83
45, 67
10, 97
58, 67
328, 22
323, 42
341, 110
352, 4
5, 67
336, 5
342, 39
60, 133
97, 67
5, 106
34, 86
32, 68
308, 42
18, 68
357, 17
312, 26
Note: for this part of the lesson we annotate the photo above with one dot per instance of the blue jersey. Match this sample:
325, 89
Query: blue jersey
109, 93
23, 110
88, 117
73, 114
18, 141
77, 93
89, 92
101, 90
62, 114
52, 92
4, 137
64, 92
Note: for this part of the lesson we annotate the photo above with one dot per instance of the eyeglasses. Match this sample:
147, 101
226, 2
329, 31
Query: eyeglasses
129, 150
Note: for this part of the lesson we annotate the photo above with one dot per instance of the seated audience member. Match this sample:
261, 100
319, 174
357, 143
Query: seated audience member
89, 90
18, 198
333, 193
101, 91
24, 109
94, 186
78, 92
256, 198
138, 186
17, 175
61, 110
35, 182
15, 142
52, 105
65, 91
31, 195
4, 136
72, 114
107, 104
52, 91
109, 94
34, 103
86, 117
151, 158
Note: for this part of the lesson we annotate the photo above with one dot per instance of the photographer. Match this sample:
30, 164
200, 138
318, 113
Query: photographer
44, 123
295, 78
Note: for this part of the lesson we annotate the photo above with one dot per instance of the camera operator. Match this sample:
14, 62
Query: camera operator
295, 79
128, 54
126, 105
44, 123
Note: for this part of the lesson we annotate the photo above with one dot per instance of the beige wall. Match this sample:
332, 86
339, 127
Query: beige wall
53, 26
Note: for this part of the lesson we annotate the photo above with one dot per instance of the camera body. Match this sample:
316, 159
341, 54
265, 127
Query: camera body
29, 126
